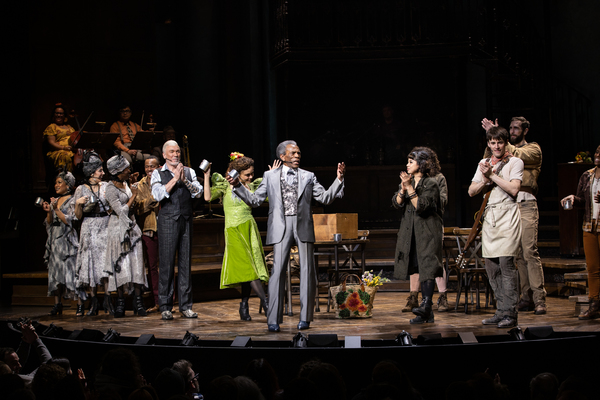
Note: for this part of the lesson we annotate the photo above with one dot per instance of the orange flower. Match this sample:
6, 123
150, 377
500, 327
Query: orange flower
362, 308
354, 301
342, 306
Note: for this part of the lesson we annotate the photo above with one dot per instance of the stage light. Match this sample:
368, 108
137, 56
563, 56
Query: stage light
467, 337
404, 339
430, 339
147, 339
52, 331
111, 336
189, 339
517, 334
88, 335
323, 340
352, 342
242, 341
539, 332
300, 340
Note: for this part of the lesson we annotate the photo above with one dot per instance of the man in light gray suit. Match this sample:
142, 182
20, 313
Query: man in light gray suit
290, 191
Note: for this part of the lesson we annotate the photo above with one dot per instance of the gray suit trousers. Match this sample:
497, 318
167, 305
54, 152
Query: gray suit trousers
174, 238
281, 256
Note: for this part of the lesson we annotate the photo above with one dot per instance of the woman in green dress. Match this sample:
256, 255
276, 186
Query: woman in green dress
244, 258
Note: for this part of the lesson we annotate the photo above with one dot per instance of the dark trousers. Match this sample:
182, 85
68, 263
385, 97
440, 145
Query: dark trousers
151, 256
175, 238
504, 280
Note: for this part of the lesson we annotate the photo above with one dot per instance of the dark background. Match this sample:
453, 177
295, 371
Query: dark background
241, 75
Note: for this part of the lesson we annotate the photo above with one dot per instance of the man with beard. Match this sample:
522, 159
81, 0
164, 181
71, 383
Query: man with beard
174, 186
529, 263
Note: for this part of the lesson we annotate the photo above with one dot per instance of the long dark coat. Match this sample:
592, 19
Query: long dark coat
427, 224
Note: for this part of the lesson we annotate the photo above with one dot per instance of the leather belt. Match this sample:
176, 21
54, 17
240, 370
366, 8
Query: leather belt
95, 215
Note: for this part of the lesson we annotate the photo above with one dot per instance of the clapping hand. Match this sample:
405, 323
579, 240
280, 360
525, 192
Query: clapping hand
486, 169
406, 178
54, 202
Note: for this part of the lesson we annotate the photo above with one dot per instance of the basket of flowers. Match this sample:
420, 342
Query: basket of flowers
355, 300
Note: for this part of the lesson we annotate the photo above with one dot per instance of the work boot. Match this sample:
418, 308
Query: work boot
593, 312
411, 302
540, 309
442, 303
525, 305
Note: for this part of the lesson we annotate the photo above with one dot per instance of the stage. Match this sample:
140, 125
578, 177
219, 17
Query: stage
219, 320
570, 349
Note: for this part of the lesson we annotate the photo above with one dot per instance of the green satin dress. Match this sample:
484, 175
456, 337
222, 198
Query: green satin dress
244, 258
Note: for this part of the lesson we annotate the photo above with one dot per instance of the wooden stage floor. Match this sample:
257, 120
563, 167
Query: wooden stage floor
219, 320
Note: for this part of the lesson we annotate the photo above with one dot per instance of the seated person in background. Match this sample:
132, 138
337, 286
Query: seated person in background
58, 135
127, 131
168, 134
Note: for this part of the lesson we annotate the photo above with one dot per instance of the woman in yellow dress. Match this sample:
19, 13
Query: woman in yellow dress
57, 136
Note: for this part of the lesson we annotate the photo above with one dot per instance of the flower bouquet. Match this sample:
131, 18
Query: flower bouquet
583, 157
353, 300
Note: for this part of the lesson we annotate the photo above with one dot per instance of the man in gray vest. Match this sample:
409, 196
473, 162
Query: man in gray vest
290, 191
174, 186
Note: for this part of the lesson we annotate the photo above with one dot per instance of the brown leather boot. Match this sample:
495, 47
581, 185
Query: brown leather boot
442, 303
593, 312
411, 302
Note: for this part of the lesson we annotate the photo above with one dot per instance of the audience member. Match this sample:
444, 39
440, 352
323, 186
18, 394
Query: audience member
119, 373
45, 381
544, 386
263, 374
247, 389
14, 358
184, 367
143, 393
168, 383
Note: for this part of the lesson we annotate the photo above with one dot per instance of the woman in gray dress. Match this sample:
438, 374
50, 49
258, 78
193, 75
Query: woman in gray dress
124, 253
92, 209
62, 243
419, 245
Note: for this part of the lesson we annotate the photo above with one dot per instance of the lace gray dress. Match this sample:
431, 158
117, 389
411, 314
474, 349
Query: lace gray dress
61, 251
124, 262
92, 238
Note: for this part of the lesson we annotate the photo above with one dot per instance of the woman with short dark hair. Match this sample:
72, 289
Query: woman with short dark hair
419, 245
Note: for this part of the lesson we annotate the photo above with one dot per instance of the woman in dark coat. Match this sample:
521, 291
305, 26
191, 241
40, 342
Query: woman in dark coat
419, 246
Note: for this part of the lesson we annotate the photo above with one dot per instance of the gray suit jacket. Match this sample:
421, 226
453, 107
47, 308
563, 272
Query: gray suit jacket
308, 188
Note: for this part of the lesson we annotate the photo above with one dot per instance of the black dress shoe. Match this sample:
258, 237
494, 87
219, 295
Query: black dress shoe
303, 325
273, 327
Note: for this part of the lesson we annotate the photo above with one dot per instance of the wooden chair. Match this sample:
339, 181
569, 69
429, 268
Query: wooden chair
473, 269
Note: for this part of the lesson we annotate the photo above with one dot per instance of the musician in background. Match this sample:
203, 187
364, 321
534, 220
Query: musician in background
127, 130
529, 263
501, 230
57, 136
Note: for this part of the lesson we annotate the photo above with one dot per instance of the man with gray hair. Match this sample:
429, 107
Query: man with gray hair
290, 191
174, 186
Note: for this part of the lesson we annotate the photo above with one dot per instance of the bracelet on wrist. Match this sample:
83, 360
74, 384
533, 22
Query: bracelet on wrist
412, 195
